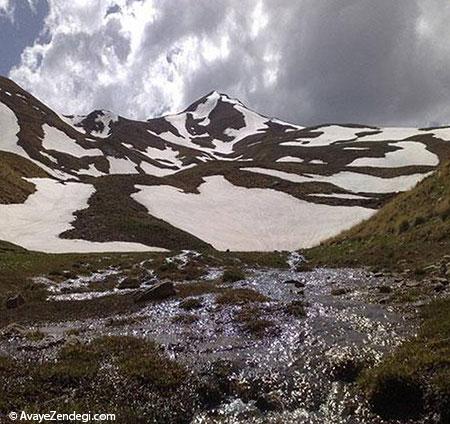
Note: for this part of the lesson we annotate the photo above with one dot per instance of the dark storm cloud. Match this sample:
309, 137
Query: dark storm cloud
378, 62
345, 61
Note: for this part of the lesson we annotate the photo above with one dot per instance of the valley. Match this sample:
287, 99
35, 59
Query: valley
219, 266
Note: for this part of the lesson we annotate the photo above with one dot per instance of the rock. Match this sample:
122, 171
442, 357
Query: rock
13, 330
269, 402
157, 292
378, 275
296, 283
14, 301
129, 283
340, 291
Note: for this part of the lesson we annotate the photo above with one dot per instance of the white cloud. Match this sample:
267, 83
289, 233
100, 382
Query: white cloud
309, 61
136, 60
7, 8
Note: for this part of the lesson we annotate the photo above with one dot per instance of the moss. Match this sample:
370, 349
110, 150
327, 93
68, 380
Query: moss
197, 288
191, 303
404, 226
35, 335
339, 291
121, 321
101, 376
186, 319
416, 375
296, 308
154, 369
251, 321
231, 275
240, 296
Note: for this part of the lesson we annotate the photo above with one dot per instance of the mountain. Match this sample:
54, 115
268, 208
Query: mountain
215, 175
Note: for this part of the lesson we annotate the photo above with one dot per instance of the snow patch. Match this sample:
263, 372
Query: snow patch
48, 212
391, 134
9, 126
290, 159
331, 134
121, 166
350, 181
55, 139
238, 218
410, 153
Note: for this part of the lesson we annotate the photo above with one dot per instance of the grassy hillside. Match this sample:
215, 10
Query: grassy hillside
411, 231
14, 189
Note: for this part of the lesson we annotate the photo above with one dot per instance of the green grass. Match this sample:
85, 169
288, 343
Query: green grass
231, 275
296, 308
417, 375
250, 320
191, 303
411, 231
15, 189
106, 374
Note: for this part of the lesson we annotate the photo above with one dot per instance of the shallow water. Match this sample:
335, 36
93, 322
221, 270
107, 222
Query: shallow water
296, 362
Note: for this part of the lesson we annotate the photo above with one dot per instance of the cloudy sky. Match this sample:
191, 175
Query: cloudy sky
308, 61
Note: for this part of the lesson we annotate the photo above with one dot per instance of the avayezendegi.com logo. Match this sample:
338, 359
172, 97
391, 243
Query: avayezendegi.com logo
55, 416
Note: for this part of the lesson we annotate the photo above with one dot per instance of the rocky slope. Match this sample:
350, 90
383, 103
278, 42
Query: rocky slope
215, 175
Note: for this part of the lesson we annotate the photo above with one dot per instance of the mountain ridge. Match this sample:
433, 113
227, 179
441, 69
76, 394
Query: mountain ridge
222, 174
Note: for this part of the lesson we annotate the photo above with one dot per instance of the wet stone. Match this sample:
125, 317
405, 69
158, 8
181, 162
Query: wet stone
296, 283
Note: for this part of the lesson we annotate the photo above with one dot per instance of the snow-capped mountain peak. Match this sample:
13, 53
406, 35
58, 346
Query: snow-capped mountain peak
217, 174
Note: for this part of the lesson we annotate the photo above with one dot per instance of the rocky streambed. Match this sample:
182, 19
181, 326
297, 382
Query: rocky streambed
277, 346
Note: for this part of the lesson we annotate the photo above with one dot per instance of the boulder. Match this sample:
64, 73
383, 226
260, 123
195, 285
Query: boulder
157, 292
14, 301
